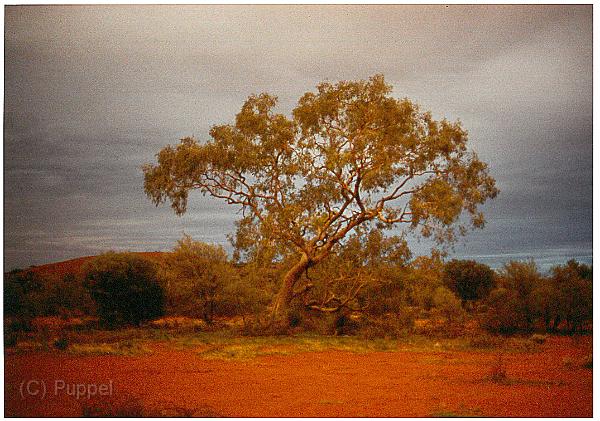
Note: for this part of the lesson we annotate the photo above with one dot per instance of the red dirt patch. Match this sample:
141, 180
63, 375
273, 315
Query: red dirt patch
324, 384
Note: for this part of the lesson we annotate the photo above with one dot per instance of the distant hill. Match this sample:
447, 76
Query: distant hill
74, 266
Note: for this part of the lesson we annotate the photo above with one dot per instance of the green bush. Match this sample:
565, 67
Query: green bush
387, 327
448, 305
505, 313
65, 296
423, 278
200, 281
125, 288
21, 290
512, 304
28, 295
345, 324
265, 327
468, 279
574, 287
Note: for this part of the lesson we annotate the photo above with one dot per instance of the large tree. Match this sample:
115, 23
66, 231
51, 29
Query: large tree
351, 155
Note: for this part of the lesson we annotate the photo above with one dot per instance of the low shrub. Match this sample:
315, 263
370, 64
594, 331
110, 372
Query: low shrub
260, 327
125, 289
346, 324
386, 327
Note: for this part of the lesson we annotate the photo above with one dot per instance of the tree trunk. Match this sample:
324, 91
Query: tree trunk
281, 303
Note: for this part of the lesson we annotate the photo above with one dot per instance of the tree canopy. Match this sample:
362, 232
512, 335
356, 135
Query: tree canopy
468, 279
196, 275
125, 288
350, 155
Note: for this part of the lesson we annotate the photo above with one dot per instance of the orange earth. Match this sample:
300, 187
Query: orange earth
547, 383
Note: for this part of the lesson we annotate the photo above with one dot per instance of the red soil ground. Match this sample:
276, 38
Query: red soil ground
550, 383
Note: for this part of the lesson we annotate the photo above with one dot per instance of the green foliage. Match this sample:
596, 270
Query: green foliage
194, 279
65, 296
512, 304
28, 295
423, 279
245, 298
350, 156
573, 286
20, 289
448, 305
125, 288
387, 327
11, 338
468, 279
388, 296
546, 301
521, 277
364, 273
200, 281
524, 299
506, 313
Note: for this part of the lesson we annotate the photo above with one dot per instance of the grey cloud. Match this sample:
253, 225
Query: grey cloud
84, 109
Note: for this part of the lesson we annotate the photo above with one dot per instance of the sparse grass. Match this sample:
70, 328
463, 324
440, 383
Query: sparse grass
231, 347
511, 381
229, 344
226, 345
119, 348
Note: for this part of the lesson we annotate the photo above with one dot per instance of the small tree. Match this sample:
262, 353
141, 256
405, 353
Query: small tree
468, 279
196, 279
513, 303
423, 279
448, 305
125, 288
573, 281
20, 296
351, 156
546, 299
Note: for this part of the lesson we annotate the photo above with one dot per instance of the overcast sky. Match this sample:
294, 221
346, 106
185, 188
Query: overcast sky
94, 92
